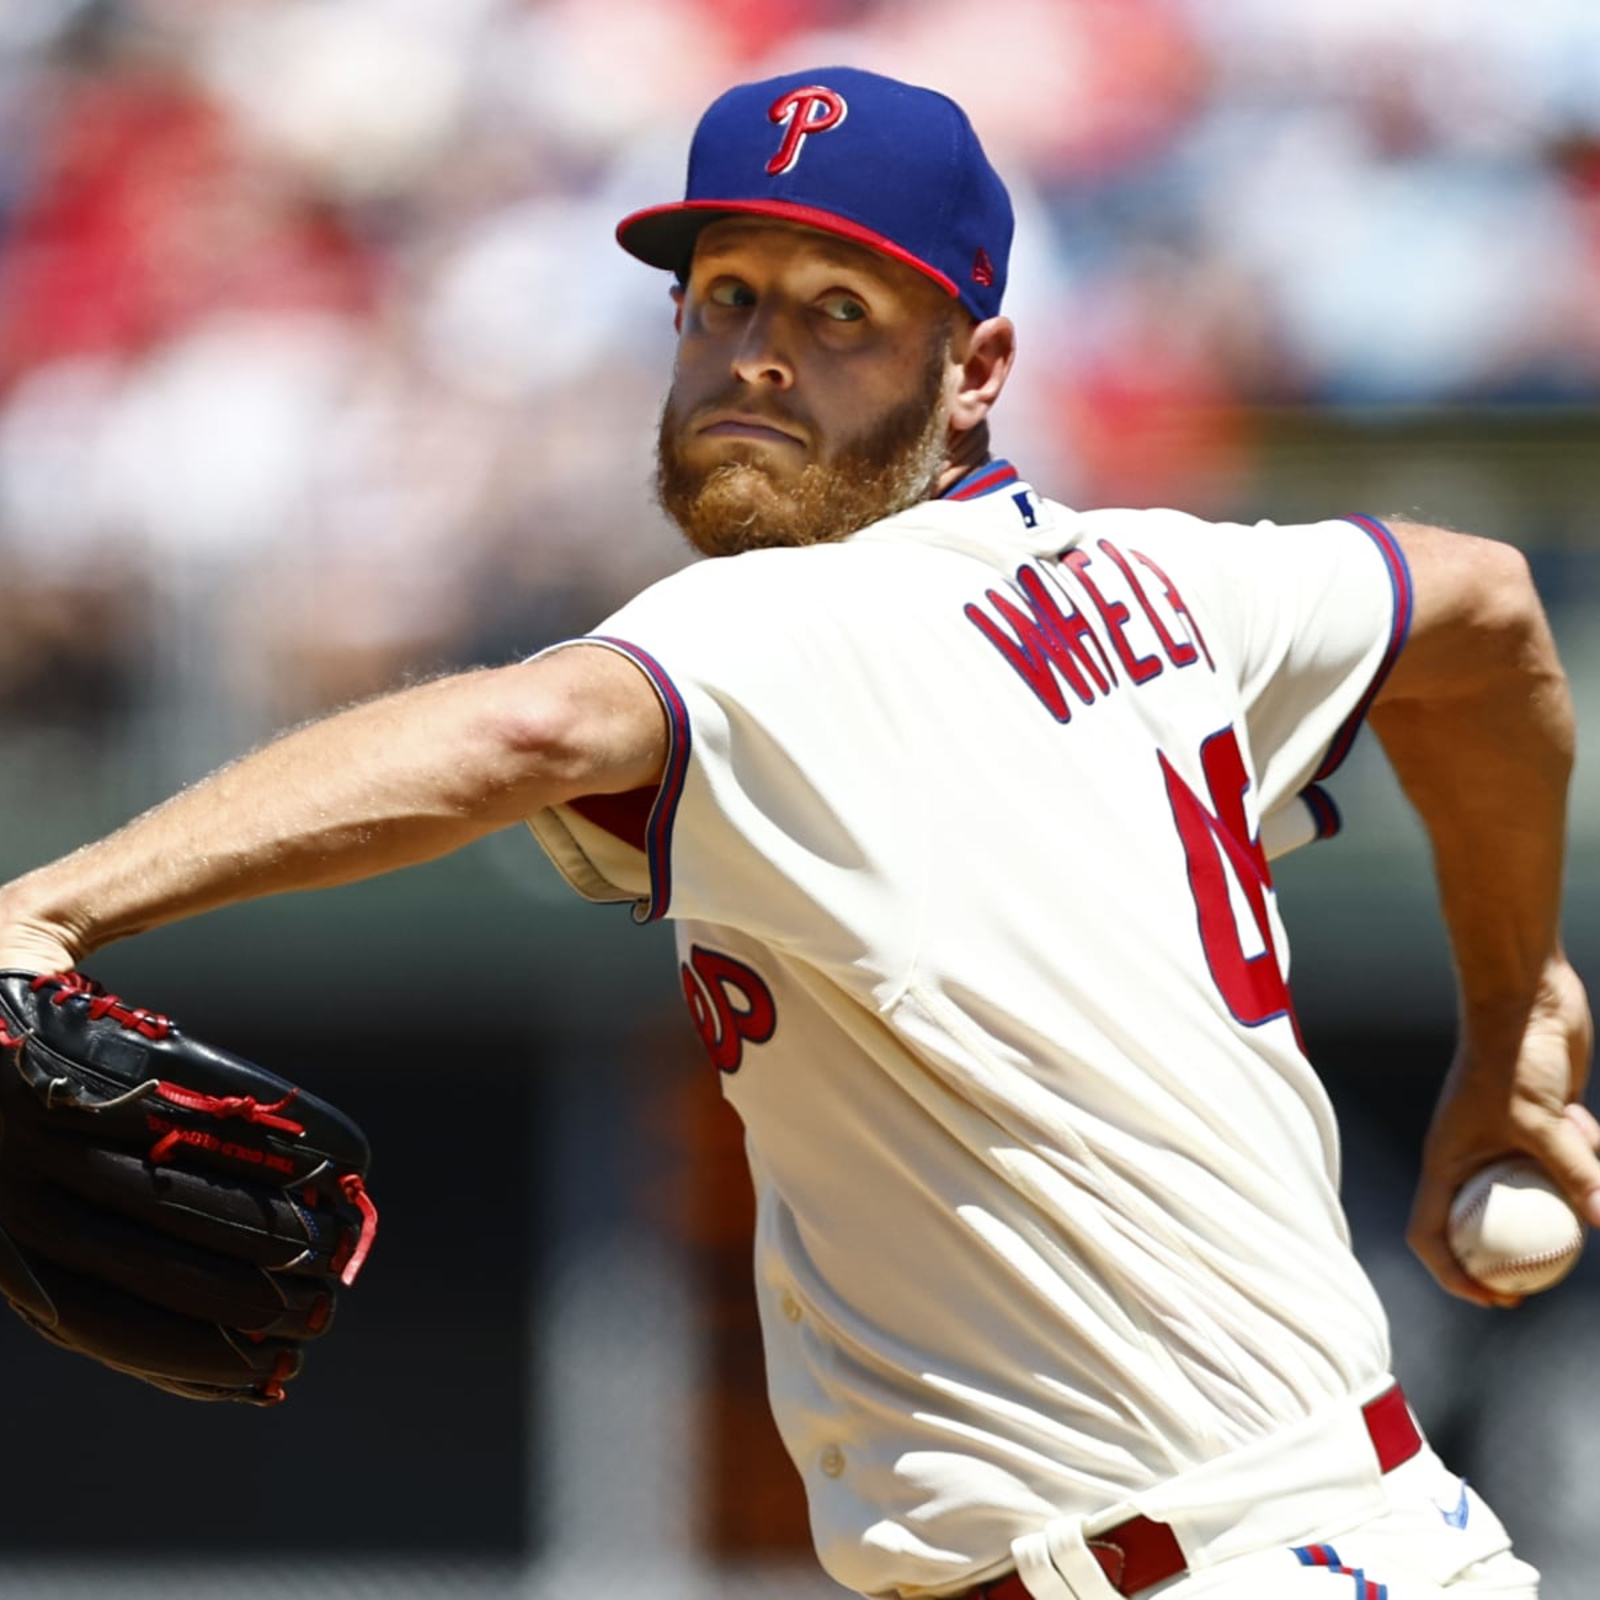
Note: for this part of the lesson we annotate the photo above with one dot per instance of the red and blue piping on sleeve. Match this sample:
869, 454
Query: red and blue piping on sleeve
1325, 816
625, 815
1399, 628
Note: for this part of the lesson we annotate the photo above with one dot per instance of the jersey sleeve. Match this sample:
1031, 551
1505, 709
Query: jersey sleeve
1368, 590
740, 656
617, 847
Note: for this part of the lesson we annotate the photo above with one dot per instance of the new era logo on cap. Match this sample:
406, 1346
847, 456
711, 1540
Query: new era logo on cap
887, 164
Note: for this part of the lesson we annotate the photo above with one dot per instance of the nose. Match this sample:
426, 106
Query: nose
760, 358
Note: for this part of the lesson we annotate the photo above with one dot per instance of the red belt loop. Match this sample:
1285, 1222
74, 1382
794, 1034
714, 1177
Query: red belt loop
1140, 1553
1394, 1435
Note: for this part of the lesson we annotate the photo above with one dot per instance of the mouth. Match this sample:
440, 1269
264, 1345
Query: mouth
742, 426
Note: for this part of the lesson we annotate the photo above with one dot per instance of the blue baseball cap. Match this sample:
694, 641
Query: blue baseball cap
883, 163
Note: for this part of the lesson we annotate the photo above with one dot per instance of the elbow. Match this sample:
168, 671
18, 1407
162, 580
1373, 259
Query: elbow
1501, 606
1506, 604
504, 753
538, 744
581, 721
1483, 586
1477, 622
1512, 661
1514, 626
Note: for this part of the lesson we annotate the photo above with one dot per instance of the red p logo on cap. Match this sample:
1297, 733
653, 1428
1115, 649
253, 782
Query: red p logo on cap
804, 111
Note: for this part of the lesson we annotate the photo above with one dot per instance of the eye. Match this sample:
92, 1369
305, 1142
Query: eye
730, 292
842, 307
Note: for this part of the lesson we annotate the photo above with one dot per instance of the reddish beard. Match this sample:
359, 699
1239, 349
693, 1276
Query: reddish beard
739, 505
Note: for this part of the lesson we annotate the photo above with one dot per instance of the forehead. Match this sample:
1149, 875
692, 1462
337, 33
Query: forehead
771, 243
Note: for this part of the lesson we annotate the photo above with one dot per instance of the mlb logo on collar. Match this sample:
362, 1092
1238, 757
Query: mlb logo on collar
883, 163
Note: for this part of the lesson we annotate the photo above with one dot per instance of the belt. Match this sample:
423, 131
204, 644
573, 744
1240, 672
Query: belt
1140, 1553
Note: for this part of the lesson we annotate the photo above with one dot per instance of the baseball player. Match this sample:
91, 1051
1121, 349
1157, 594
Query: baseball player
962, 803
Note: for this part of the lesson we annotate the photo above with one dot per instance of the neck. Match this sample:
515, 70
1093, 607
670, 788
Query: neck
967, 450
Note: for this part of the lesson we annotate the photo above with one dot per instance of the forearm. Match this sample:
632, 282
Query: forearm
1488, 776
362, 792
384, 785
1477, 722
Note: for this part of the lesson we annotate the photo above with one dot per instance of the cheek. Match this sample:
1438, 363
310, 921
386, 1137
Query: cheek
847, 403
696, 376
682, 398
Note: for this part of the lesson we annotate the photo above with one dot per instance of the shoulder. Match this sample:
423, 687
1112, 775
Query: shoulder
1183, 529
1221, 551
1141, 522
768, 582
735, 617
752, 570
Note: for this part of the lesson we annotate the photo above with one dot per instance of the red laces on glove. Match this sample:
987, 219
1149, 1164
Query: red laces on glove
356, 1193
150, 1023
243, 1106
231, 1105
271, 1387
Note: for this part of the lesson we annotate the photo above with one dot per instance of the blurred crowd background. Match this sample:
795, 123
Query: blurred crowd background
319, 370
312, 328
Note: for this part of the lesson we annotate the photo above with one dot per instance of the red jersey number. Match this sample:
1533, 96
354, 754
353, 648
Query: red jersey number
730, 1004
1218, 845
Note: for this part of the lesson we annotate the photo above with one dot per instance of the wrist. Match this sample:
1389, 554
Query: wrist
1490, 1015
32, 941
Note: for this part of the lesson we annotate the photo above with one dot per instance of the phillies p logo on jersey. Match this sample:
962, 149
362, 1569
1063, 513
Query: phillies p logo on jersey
803, 112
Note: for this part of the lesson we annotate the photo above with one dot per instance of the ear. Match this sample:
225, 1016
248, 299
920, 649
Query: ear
676, 292
980, 363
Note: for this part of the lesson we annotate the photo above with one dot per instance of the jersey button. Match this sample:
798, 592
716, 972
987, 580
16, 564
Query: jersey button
791, 1306
833, 1461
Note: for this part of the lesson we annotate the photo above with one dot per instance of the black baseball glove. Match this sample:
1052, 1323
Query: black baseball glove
166, 1207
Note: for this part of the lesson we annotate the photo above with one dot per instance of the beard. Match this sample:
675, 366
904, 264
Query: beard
739, 505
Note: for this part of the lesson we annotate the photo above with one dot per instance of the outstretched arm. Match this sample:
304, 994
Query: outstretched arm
388, 783
1477, 721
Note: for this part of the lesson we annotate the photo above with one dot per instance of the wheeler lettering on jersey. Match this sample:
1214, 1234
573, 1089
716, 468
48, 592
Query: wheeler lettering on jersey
1114, 614
730, 1003
1180, 654
1054, 645
1051, 646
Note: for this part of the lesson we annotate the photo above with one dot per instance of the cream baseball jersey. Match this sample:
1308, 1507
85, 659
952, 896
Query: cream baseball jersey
962, 833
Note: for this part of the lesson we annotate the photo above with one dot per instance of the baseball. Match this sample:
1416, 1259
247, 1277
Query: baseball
1512, 1228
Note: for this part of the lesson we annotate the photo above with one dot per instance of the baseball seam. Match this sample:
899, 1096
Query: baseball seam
1534, 1261
1501, 1265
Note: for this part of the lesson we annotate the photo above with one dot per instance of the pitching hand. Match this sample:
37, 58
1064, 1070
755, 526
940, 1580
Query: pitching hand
1515, 1087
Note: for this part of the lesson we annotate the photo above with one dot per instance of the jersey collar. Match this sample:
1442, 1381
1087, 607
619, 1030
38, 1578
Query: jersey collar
989, 478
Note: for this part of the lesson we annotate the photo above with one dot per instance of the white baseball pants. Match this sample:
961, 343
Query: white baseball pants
1417, 1532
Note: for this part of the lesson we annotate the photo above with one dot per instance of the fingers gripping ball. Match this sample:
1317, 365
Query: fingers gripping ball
1513, 1230
166, 1207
